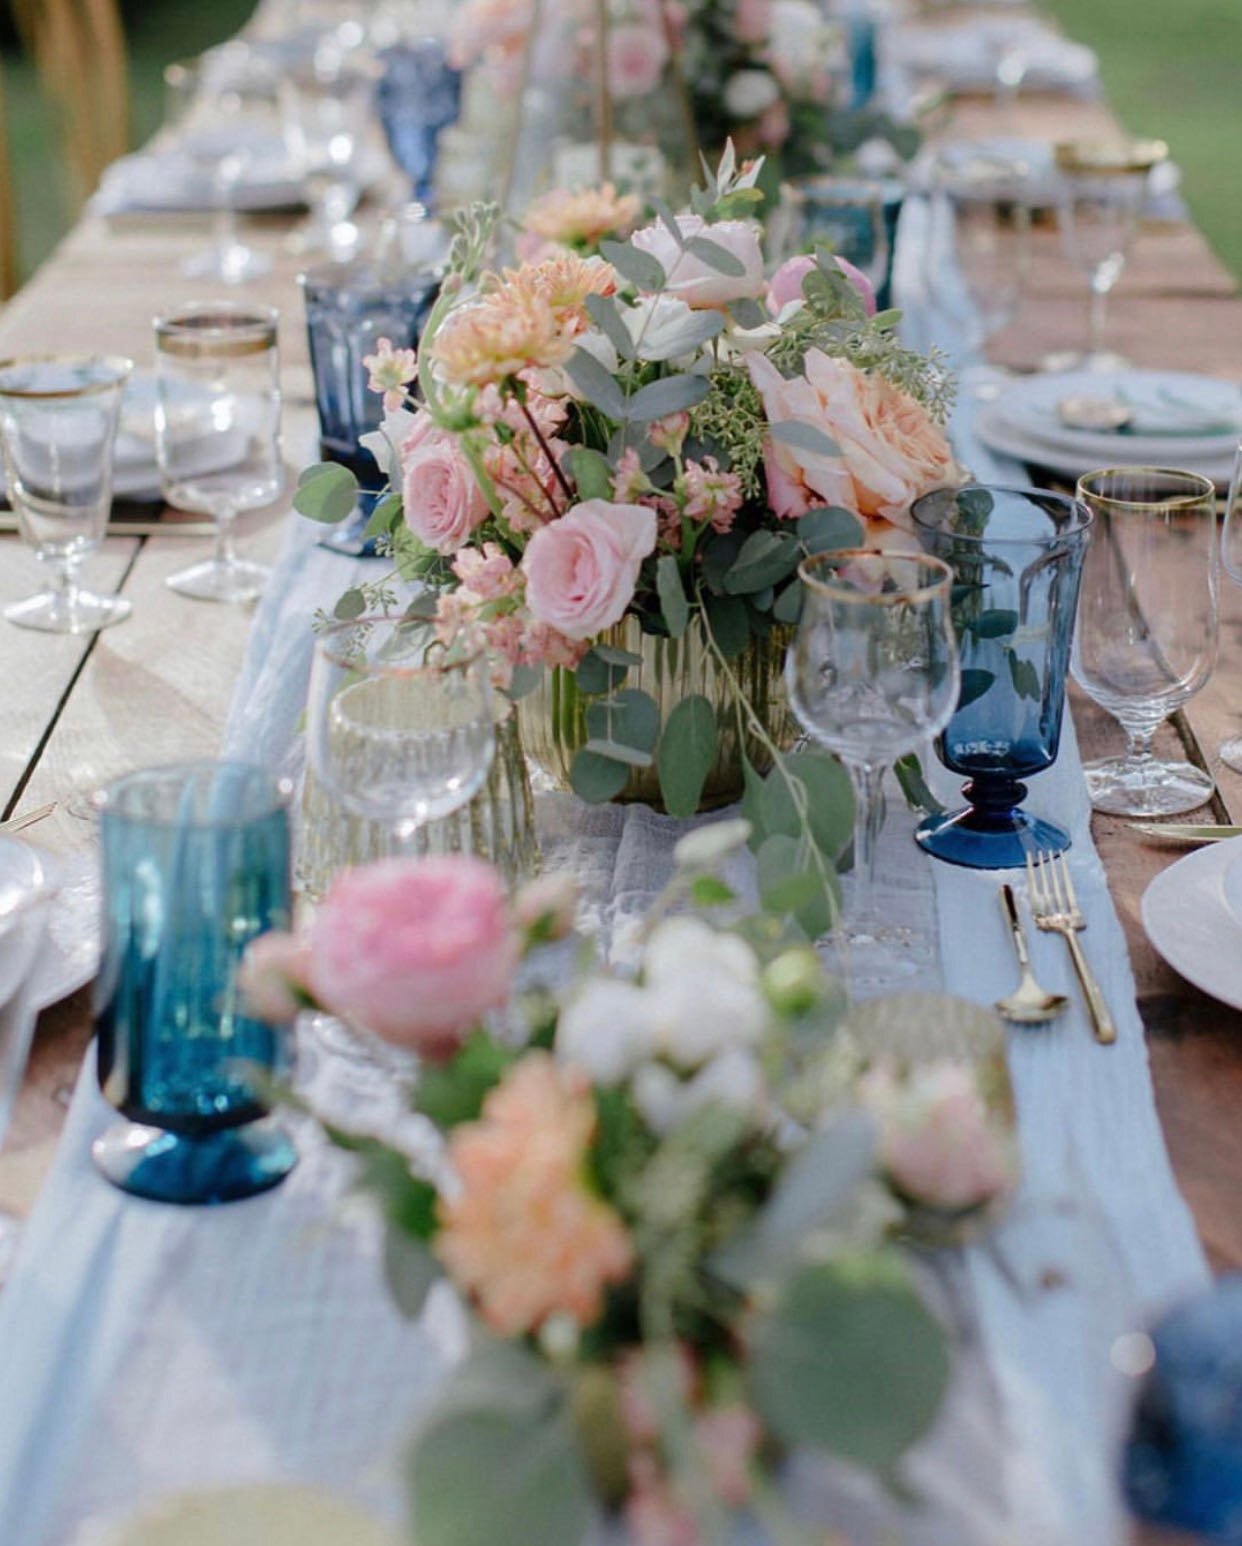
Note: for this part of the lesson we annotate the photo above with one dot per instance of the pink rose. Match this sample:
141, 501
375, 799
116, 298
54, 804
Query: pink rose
786, 282
581, 571
273, 977
890, 449
415, 950
691, 278
773, 126
443, 503
938, 1141
752, 21
637, 55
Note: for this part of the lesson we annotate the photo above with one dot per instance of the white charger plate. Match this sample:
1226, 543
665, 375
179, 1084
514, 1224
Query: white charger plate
1161, 401
1191, 924
21, 924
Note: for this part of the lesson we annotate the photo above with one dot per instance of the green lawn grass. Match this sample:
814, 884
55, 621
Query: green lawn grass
1173, 68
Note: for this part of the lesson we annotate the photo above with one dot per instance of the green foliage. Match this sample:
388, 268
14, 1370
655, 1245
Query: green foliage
670, 394
687, 751
672, 593
595, 778
326, 492
454, 1092
596, 674
642, 270
591, 472
624, 727
909, 771
829, 527
496, 1459
850, 1360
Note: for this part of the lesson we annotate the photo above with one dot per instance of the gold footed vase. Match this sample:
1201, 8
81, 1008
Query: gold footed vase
553, 717
497, 825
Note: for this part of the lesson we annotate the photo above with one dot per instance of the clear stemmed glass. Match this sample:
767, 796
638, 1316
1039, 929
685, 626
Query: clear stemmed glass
872, 674
218, 370
1231, 554
58, 421
325, 114
1147, 624
1101, 196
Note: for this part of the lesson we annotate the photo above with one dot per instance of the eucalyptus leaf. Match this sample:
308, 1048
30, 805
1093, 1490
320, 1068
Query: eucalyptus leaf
326, 492
642, 270
616, 751
496, 1458
672, 593
629, 718
720, 553
591, 472
974, 684
387, 514
830, 527
804, 437
730, 624
667, 219
409, 1271
787, 608
849, 1360
597, 779
716, 256
671, 394
617, 657
909, 773
595, 675
522, 682
350, 605
766, 558
711, 891
748, 313
995, 623
1025, 678
596, 384
604, 313
687, 751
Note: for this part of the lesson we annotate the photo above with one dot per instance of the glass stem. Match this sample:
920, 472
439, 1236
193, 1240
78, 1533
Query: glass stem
226, 552
1100, 286
226, 207
867, 779
1138, 743
65, 581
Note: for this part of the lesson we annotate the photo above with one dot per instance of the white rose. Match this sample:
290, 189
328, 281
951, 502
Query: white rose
606, 1029
704, 991
662, 327
748, 93
733, 1080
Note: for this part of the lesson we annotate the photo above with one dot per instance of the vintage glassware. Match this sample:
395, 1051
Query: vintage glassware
1147, 626
1016, 556
419, 93
1231, 554
58, 422
326, 112
218, 369
855, 217
871, 675
196, 864
1103, 187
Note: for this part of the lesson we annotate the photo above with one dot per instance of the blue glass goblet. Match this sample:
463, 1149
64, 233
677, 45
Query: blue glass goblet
419, 94
195, 866
1017, 556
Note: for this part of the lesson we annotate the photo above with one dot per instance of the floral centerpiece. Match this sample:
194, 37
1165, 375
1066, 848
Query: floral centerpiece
615, 468
672, 1203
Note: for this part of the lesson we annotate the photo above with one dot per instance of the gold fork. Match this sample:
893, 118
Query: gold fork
1054, 907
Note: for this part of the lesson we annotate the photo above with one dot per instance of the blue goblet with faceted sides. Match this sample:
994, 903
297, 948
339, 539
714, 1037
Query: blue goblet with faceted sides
1017, 556
419, 94
195, 866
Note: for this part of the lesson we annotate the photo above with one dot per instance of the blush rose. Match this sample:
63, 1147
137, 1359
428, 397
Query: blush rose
581, 570
786, 282
693, 279
442, 501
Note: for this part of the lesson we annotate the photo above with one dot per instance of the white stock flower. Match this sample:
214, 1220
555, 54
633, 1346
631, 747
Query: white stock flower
606, 1029
662, 327
748, 93
704, 991
385, 443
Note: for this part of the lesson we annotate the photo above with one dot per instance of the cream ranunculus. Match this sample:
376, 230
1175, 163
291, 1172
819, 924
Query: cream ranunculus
691, 278
704, 990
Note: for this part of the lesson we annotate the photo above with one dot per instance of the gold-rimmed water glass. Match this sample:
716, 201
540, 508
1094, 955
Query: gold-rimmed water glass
217, 431
1231, 556
58, 423
1147, 626
1101, 192
872, 674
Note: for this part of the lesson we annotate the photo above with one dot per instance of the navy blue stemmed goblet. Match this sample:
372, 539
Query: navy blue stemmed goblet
419, 94
195, 866
1016, 556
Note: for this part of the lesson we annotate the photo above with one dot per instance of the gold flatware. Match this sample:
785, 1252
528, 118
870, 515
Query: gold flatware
1054, 907
1028, 1004
1187, 833
27, 818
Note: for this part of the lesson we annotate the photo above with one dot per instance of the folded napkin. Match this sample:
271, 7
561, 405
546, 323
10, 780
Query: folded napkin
176, 180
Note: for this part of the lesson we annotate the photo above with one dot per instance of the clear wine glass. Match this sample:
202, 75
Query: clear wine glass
1147, 626
217, 431
1231, 554
58, 421
1102, 191
325, 109
872, 674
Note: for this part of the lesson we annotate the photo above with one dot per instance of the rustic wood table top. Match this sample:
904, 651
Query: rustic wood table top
78, 711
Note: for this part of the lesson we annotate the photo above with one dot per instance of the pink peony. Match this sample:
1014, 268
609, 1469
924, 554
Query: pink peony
273, 977
581, 571
786, 282
415, 950
637, 54
691, 278
521, 1233
890, 449
443, 502
938, 1141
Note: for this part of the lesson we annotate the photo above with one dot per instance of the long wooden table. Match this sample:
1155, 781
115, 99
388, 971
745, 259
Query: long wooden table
79, 711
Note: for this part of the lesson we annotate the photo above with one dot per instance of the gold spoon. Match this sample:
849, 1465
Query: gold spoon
1028, 1004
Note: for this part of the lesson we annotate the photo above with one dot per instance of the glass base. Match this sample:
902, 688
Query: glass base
1231, 753
218, 1167
1101, 361
1126, 786
233, 264
961, 837
56, 612
216, 581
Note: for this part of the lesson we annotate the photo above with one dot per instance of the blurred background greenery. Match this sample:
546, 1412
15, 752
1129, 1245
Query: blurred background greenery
1170, 68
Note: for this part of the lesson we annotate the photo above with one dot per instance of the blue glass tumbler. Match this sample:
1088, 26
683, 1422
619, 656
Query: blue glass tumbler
1017, 556
419, 94
855, 217
349, 308
195, 866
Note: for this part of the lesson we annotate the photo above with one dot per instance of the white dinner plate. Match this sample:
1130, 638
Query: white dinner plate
996, 431
1177, 415
21, 917
965, 56
1190, 923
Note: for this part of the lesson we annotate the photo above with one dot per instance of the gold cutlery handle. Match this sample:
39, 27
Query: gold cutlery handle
1101, 1019
1009, 906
